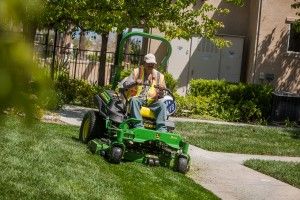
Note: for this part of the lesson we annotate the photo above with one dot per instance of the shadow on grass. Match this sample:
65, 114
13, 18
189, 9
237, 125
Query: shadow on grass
295, 133
75, 139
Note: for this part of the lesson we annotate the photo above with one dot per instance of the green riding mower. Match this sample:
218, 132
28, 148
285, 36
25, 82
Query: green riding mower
111, 133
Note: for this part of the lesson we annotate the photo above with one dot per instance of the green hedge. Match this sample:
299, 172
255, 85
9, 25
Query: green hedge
207, 98
74, 91
228, 101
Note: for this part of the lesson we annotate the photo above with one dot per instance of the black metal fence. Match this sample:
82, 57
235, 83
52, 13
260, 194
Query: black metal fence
79, 64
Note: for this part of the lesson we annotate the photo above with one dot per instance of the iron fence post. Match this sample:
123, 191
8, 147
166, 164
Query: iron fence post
53, 56
46, 47
76, 53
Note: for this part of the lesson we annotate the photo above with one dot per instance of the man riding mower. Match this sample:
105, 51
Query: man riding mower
137, 128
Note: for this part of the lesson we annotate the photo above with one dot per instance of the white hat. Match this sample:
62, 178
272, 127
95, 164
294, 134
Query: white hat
150, 58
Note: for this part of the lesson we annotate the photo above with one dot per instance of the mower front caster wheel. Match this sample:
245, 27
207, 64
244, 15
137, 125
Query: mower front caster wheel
182, 165
116, 155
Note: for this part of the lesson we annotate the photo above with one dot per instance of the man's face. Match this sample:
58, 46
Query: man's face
149, 66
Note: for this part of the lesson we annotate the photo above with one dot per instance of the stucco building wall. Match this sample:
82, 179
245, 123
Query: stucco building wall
265, 25
273, 59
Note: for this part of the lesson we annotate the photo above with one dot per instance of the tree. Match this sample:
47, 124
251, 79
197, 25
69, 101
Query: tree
174, 18
177, 19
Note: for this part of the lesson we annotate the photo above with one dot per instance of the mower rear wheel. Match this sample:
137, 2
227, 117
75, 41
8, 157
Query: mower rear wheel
116, 155
182, 165
90, 126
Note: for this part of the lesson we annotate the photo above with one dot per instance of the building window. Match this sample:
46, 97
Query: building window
294, 39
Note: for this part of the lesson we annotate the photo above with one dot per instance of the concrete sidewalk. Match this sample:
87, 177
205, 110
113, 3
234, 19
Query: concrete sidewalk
221, 173
225, 176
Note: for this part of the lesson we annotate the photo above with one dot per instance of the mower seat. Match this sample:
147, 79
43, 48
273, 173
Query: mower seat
149, 114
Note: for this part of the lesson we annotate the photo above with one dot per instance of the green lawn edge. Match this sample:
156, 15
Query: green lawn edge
288, 172
258, 140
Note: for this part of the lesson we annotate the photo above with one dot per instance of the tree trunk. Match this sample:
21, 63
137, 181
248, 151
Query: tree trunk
29, 31
68, 35
144, 49
101, 72
82, 40
145, 42
117, 69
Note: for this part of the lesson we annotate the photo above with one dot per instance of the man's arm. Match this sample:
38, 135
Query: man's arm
162, 82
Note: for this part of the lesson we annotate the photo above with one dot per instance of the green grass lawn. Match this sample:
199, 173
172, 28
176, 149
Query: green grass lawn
242, 139
288, 172
47, 161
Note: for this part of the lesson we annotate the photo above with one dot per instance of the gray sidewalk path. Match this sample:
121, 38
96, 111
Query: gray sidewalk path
221, 173
225, 176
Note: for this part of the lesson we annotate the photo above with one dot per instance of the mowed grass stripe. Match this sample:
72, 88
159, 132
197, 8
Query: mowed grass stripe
242, 139
47, 161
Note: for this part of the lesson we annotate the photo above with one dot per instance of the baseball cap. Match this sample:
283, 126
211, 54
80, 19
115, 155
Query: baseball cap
150, 58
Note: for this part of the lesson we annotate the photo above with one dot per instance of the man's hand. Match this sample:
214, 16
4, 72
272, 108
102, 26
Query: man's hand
160, 90
159, 87
139, 81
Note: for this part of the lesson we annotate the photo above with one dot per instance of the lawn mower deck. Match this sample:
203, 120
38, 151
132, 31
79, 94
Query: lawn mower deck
144, 146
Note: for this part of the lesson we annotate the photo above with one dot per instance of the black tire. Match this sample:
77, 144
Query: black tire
90, 126
182, 165
116, 155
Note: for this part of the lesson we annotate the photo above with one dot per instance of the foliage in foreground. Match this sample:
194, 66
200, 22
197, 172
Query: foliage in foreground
22, 84
48, 162
288, 172
242, 139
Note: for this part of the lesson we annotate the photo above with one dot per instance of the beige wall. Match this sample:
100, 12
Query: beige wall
236, 23
272, 56
266, 41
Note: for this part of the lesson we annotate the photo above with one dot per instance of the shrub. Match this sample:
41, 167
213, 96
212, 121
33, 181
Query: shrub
74, 91
171, 83
228, 101
125, 72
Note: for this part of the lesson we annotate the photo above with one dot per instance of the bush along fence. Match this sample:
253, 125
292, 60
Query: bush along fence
206, 99
228, 101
